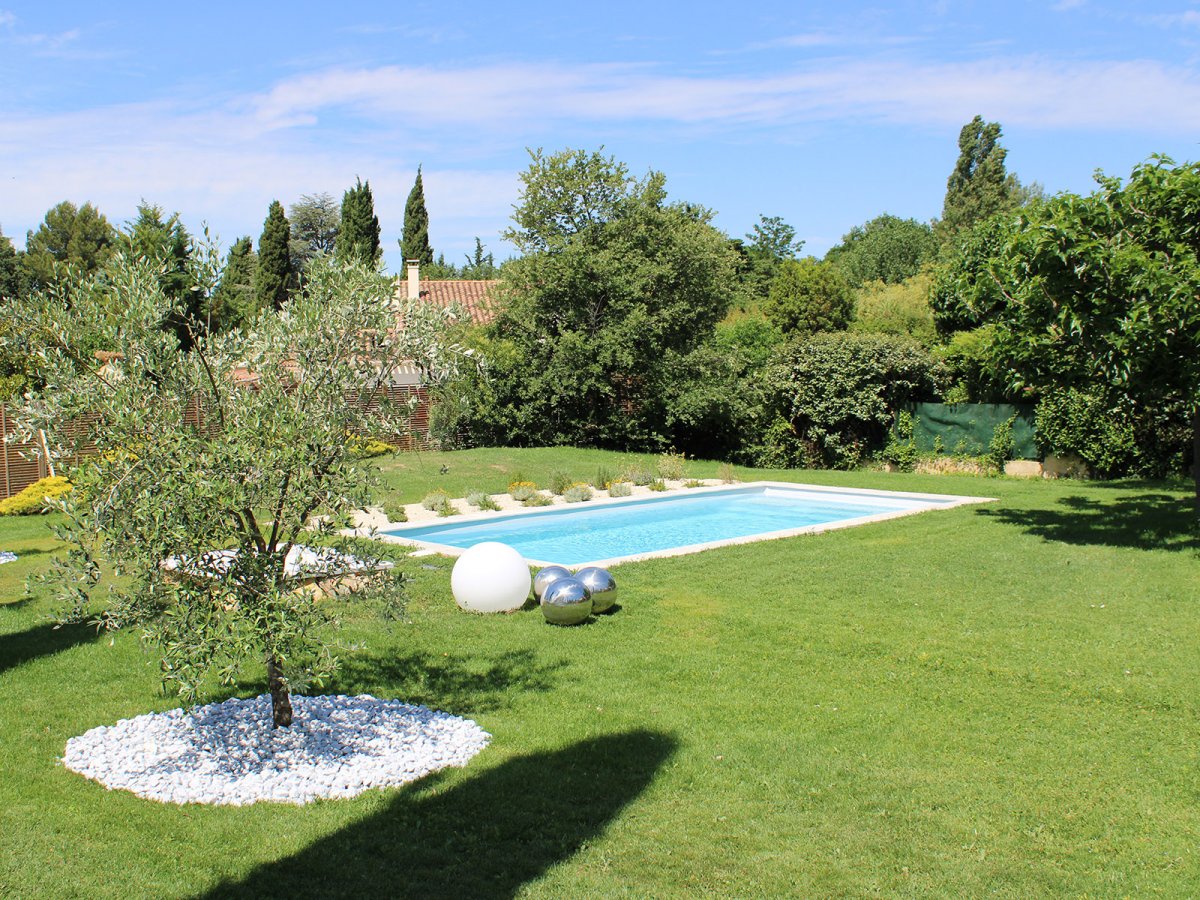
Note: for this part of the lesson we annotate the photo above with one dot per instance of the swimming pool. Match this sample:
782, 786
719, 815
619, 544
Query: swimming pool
612, 531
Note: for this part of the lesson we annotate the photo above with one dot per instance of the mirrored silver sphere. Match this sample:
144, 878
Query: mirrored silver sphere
567, 602
545, 578
602, 585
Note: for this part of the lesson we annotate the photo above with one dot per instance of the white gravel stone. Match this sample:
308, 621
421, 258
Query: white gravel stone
228, 754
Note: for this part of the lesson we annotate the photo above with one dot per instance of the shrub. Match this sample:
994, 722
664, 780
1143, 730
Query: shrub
896, 309
1000, 448
901, 450
809, 296
603, 478
522, 490
836, 395
538, 499
577, 492
446, 509
482, 500
1075, 423
619, 488
435, 500
693, 483
560, 481
671, 465
657, 485
395, 511
638, 475
34, 498
726, 473
365, 448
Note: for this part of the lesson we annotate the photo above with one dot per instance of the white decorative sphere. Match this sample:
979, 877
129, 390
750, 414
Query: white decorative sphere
490, 577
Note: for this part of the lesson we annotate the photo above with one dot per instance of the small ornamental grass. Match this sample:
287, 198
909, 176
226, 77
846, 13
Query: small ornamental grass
33, 499
693, 483
620, 488
657, 484
537, 499
522, 490
560, 482
435, 500
481, 500
395, 512
578, 492
672, 466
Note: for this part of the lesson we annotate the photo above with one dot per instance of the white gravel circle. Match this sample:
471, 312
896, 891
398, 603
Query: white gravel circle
228, 754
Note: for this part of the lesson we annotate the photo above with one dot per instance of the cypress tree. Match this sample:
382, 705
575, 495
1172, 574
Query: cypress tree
416, 225
979, 187
358, 238
233, 303
273, 278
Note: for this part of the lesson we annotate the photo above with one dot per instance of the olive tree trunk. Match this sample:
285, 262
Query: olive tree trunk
281, 701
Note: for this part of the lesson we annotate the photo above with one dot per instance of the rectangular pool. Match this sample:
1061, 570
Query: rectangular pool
611, 531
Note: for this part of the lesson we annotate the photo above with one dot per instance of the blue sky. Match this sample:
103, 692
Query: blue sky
826, 114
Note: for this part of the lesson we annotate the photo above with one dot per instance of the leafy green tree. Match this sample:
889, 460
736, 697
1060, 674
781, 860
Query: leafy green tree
896, 309
1101, 290
11, 278
234, 303
166, 242
963, 294
979, 187
768, 245
479, 266
887, 249
269, 455
615, 280
315, 222
69, 238
274, 276
358, 237
808, 296
415, 243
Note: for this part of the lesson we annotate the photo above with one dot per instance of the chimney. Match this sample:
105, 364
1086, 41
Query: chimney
414, 279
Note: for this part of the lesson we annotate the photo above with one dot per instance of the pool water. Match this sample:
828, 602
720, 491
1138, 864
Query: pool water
611, 532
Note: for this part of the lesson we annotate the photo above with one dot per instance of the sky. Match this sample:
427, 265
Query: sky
823, 113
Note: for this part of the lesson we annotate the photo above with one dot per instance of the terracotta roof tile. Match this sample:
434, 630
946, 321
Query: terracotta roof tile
475, 297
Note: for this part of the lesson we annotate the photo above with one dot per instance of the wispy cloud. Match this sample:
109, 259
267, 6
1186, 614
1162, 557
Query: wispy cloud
7, 19
1188, 19
223, 160
1067, 5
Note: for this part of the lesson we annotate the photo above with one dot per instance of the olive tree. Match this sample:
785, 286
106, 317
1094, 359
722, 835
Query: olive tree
238, 444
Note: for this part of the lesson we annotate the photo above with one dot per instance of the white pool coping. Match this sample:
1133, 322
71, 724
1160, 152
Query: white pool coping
368, 528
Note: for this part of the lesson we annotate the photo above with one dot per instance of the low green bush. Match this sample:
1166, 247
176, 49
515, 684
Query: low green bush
365, 448
482, 500
33, 499
435, 500
395, 511
522, 490
577, 492
537, 498
671, 466
560, 481
657, 485
619, 488
603, 478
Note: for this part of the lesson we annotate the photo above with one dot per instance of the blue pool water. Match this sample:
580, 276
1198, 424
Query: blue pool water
582, 533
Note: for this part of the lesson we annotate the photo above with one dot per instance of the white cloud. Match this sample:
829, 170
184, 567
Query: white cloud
1067, 5
224, 160
7, 19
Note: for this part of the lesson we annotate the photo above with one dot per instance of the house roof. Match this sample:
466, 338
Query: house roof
476, 298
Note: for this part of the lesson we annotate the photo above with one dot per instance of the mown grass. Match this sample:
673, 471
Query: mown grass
985, 700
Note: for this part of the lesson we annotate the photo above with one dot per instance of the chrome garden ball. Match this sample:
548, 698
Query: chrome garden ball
567, 602
602, 585
545, 578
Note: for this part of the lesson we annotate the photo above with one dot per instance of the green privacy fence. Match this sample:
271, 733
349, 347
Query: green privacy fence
968, 427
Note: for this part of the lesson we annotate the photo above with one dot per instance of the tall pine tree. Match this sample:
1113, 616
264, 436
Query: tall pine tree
416, 225
273, 278
979, 187
358, 238
233, 303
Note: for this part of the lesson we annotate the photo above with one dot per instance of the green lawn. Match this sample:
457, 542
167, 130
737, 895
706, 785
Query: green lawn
993, 699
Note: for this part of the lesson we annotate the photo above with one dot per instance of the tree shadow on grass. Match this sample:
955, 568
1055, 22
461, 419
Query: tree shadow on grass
1149, 521
485, 837
446, 681
41, 640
